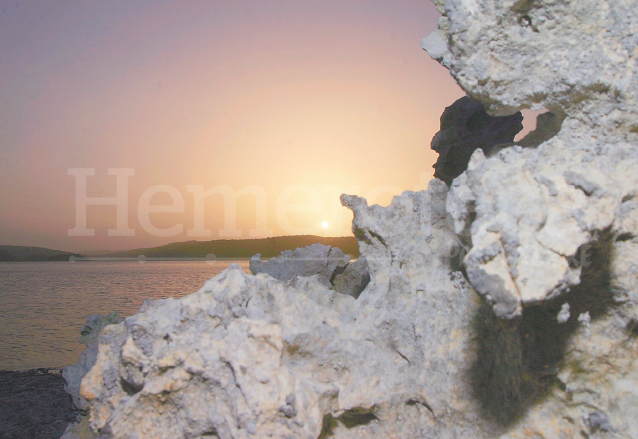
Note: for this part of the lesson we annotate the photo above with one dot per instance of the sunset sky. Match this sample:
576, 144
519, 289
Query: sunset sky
293, 101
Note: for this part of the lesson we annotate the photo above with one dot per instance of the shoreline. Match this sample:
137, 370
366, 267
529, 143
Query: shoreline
35, 404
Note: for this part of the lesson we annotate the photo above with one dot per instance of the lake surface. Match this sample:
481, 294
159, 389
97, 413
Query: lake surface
43, 305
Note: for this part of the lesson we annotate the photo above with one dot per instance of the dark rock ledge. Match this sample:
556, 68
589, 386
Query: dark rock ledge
34, 404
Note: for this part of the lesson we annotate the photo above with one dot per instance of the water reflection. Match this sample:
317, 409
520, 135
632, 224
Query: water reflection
44, 304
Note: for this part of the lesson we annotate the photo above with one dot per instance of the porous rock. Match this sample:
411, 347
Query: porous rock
314, 260
554, 222
252, 356
88, 335
328, 265
465, 127
353, 279
531, 214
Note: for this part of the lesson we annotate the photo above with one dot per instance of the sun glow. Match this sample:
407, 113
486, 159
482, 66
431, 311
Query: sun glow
325, 224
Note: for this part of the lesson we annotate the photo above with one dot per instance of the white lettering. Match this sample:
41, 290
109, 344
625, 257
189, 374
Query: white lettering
282, 209
144, 209
230, 229
120, 201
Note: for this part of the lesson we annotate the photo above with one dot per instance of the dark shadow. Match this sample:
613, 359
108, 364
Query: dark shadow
355, 417
350, 419
466, 127
337, 272
129, 388
548, 125
517, 361
327, 427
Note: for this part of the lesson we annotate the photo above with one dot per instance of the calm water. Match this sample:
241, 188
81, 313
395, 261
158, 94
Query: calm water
43, 305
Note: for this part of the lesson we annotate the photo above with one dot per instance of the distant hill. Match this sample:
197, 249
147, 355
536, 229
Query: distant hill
222, 248
19, 253
240, 248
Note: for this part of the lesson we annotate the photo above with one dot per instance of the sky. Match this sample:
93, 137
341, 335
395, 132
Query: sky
128, 124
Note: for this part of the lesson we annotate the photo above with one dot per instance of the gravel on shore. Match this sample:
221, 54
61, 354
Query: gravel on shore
34, 404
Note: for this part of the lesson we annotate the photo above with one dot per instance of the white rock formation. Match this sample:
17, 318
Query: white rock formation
328, 265
354, 278
532, 213
555, 224
88, 335
314, 260
251, 356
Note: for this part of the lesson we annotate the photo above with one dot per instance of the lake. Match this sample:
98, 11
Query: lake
43, 305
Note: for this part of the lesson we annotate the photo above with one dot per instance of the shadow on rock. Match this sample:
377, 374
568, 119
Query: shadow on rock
517, 361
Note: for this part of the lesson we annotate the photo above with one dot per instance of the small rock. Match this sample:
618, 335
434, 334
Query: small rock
354, 278
597, 420
314, 260
563, 314
88, 335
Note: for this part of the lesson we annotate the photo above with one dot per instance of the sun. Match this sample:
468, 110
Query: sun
325, 224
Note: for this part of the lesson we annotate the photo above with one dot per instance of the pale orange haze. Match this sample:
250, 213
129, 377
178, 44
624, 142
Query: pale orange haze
292, 102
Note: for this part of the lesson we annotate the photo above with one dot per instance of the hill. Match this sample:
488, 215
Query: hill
19, 253
240, 248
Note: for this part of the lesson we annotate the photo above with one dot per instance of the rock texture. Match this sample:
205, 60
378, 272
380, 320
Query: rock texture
551, 228
315, 260
88, 335
33, 404
465, 127
251, 356
532, 213
328, 265
354, 278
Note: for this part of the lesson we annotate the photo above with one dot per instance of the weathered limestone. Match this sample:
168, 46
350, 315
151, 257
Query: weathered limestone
251, 356
554, 224
315, 260
328, 265
465, 127
532, 213
354, 278
533, 54
89, 336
